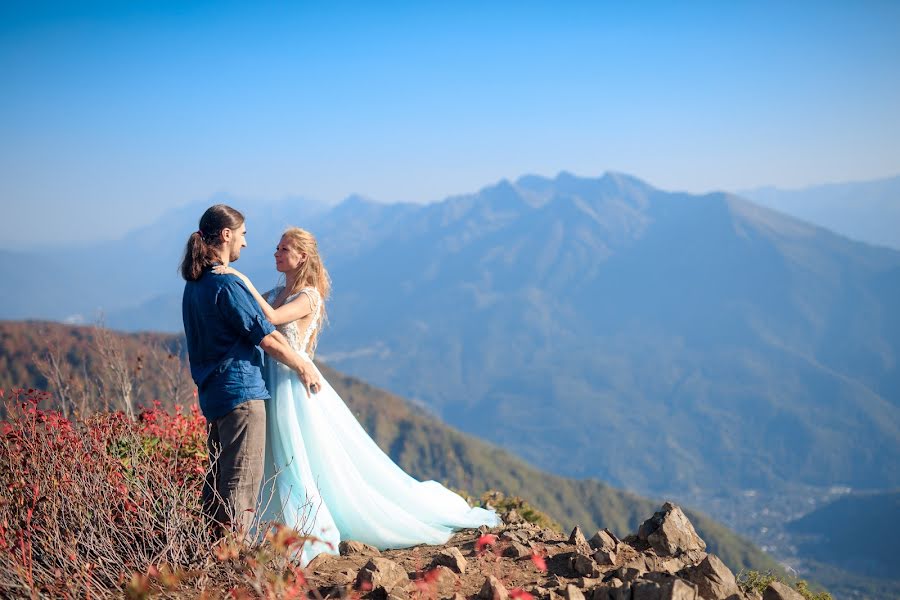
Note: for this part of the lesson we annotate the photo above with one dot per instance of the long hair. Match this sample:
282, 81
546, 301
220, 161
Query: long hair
312, 273
203, 247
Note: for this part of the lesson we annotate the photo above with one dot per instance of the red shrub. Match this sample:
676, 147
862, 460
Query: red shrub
107, 504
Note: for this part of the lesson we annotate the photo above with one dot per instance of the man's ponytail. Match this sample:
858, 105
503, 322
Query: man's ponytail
203, 246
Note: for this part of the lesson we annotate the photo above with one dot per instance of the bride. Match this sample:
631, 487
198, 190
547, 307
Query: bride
332, 480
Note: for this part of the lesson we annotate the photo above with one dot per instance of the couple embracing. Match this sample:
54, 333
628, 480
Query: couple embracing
284, 448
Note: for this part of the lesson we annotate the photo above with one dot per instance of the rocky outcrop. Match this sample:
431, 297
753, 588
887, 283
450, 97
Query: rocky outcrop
664, 560
670, 533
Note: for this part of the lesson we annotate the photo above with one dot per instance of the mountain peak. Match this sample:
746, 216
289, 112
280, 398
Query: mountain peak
357, 200
503, 195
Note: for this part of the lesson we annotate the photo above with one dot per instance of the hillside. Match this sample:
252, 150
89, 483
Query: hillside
831, 534
418, 441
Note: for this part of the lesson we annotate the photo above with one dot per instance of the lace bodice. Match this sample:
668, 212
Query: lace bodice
290, 330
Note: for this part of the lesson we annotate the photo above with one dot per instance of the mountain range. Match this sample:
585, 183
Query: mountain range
868, 211
599, 327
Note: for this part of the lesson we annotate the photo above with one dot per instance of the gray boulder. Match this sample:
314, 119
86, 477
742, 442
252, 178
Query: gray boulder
451, 558
670, 532
383, 577
577, 539
492, 589
584, 565
605, 558
713, 578
516, 550
604, 540
572, 592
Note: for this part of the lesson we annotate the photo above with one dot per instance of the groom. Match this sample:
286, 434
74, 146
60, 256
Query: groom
224, 325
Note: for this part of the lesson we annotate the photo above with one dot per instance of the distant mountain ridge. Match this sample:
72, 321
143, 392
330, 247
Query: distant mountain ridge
757, 348
868, 211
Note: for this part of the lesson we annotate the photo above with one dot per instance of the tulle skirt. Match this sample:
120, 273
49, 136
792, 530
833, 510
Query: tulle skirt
326, 477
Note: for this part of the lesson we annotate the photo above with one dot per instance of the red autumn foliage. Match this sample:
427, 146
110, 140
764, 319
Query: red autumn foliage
520, 594
539, 561
488, 539
107, 506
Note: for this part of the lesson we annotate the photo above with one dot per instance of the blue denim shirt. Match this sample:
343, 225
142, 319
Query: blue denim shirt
224, 325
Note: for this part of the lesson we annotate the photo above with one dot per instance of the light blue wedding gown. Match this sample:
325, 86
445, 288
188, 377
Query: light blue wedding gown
326, 477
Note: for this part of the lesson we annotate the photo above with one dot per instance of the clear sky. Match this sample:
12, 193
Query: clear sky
112, 113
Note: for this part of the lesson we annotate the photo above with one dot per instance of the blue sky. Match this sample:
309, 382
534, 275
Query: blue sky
112, 113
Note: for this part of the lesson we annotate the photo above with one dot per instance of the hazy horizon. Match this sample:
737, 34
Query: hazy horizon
243, 201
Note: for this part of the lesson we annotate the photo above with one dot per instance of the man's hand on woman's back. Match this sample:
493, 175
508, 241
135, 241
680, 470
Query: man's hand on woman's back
276, 345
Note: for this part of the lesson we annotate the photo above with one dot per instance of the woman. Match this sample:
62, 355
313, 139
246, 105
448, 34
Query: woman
332, 479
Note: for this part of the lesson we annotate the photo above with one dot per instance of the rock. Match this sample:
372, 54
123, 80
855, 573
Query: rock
553, 581
604, 540
514, 535
516, 550
350, 547
445, 572
613, 589
605, 558
577, 539
671, 587
319, 561
673, 564
573, 593
643, 589
713, 578
492, 589
584, 565
780, 591
601, 592
548, 535
627, 573
682, 590
451, 557
383, 577
458, 596
622, 591
345, 576
640, 564
670, 532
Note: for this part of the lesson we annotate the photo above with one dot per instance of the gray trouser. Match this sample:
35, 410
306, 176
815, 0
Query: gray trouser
236, 444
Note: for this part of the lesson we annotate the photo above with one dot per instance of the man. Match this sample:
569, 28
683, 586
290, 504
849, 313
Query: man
224, 325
